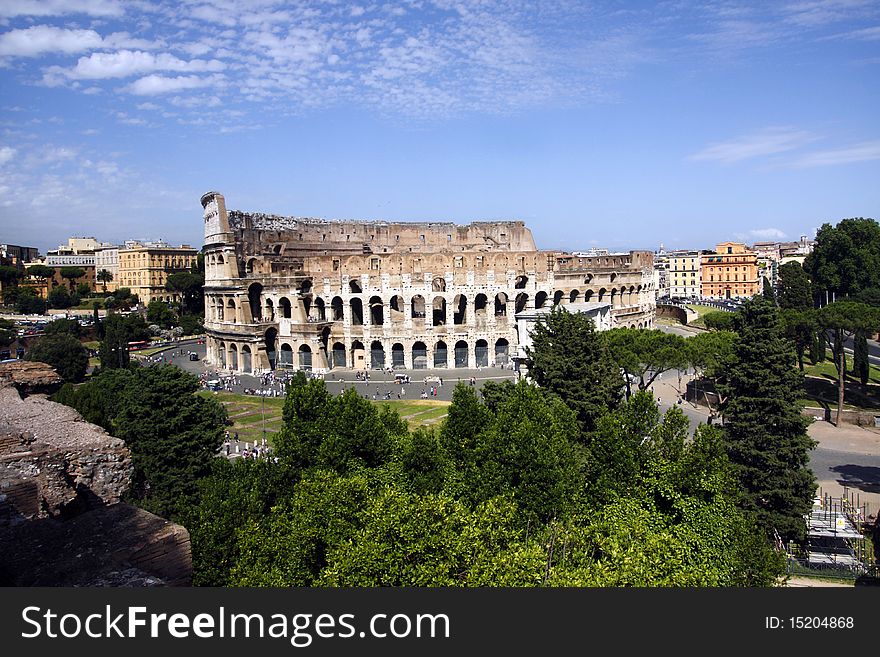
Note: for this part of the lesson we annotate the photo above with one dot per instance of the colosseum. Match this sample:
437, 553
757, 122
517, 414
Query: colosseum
296, 293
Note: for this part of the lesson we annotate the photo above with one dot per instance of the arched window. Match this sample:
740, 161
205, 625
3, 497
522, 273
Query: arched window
540, 299
441, 357
461, 354
377, 311
377, 355
419, 356
305, 357
284, 307
502, 348
459, 315
397, 358
574, 296
521, 300
480, 303
357, 311
355, 287
336, 312
500, 304
439, 311
481, 353
438, 285
520, 282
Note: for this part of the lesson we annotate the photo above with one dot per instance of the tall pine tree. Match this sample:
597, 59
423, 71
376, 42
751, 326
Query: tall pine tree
765, 431
570, 358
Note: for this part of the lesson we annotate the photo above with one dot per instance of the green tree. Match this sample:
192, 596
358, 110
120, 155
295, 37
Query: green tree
28, 302
795, 291
841, 320
845, 259
800, 327
466, 420
63, 352
719, 320
709, 354
60, 298
8, 333
861, 364
236, 494
83, 290
173, 434
63, 325
528, 451
103, 277
99, 400
767, 291
190, 286
9, 277
645, 355
764, 428
42, 271
119, 330
71, 274
159, 313
570, 359
494, 393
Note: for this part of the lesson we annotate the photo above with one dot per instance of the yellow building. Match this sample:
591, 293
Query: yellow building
730, 272
144, 268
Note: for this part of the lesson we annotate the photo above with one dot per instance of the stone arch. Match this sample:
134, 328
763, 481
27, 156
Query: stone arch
285, 356
337, 355
438, 307
438, 284
270, 337
557, 297
396, 308
574, 296
481, 353
231, 306
358, 354
588, 296
613, 276
304, 357
354, 286
459, 313
540, 299
588, 279
336, 309
602, 293
417, 308
356, 309
377, 311
233, 357
377, 355
306, 286
502, 351
284, 307
220, 259
320, 309
398, 360
522, 299
632, 289
520, 282
221, 355
441, 354
419, 356
461, 353
269, 311
500, 304
481, 301
247, 360
251, 266
615, 299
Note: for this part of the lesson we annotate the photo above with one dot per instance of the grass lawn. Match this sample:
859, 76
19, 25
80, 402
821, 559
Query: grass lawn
250, 414
821, 386
701, 310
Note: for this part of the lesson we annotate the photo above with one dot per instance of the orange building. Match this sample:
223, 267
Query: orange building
730, 272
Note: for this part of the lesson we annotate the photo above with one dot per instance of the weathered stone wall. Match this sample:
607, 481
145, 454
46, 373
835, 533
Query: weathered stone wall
61, 481
52, 459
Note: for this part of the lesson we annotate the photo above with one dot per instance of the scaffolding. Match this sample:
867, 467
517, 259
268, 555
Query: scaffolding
836, 544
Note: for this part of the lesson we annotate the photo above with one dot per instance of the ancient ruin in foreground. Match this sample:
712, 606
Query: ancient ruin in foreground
288, 292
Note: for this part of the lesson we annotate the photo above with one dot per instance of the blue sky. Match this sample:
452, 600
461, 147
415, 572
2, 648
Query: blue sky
613, 124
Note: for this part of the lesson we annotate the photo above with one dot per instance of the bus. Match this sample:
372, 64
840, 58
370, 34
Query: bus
137, 345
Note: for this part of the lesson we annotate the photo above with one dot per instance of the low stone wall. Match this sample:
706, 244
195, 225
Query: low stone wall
859, 418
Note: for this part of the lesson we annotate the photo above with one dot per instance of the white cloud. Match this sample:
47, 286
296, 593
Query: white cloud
6, 154
862, 152
152, 85
768, 233
766, 142
125, 63
40, 39
148, 106
10, 8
